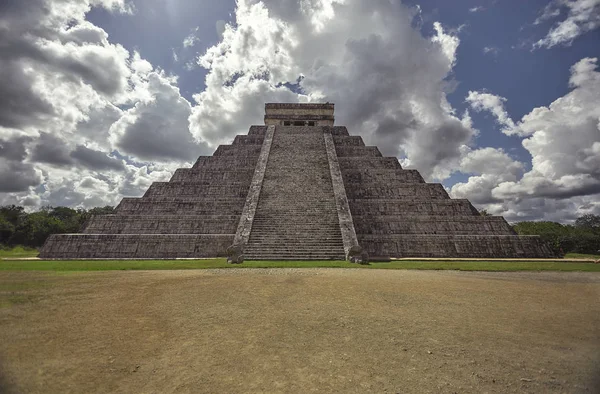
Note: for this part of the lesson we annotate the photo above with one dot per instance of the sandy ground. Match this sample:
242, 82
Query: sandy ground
299, 330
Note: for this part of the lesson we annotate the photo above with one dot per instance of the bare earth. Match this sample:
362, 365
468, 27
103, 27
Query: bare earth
299, 330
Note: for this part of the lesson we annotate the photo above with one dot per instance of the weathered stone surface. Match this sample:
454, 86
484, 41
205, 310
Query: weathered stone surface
472, 245
296, 217
162, 224
181, 206
131, 246
245, 223
369, 151
341, 200
376, 177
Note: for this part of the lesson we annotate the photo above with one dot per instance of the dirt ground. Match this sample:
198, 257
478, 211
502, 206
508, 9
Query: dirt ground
299, 330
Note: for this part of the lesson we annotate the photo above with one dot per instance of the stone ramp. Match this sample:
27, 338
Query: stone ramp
296, 216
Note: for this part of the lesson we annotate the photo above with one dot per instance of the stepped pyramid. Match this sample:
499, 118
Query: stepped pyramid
296, 188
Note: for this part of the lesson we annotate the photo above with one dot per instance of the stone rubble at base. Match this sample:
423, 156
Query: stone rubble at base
307, 191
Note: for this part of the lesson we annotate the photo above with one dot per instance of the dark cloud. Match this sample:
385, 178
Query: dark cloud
151, 137
19, 104
96, 160
16, 176
14, 149
51, 150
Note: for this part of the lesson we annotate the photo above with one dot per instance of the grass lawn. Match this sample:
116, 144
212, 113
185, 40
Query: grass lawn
582, 256
18, 252
107, 265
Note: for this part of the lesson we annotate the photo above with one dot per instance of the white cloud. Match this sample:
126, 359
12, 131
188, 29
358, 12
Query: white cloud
191, 38
582, 16
564, 142
481, 101
476, 9
494, 51
490, 167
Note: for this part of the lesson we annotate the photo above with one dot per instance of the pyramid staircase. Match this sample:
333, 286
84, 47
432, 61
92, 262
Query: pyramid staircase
296, 217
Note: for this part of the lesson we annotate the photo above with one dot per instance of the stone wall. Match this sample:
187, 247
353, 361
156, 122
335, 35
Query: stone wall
134, 246
162, 224
477, 246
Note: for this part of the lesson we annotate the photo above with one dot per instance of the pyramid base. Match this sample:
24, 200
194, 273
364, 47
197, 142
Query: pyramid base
383, 247
135, 246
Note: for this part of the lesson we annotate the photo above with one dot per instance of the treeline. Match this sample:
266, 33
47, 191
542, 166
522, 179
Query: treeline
18, 227
581, 237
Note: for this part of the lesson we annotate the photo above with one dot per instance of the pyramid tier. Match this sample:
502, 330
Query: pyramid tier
162, 224
135, 246
453, 246
225, 162
442, 225
347, 141
211, 175
417, 191
357, 151
372, 177
198, 189
181, 206
393, 207
368, 162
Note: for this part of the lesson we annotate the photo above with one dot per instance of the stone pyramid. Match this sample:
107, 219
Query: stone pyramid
296, 188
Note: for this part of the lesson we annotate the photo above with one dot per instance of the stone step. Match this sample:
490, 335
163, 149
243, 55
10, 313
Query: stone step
421, 191
357, 151
386, 206
368, 162
293, 257
347, 140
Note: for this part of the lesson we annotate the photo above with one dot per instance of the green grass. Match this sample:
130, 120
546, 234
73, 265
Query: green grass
582, 256
18, 252
109, 265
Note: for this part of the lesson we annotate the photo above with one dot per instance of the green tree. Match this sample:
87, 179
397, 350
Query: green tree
588, 221
7, 229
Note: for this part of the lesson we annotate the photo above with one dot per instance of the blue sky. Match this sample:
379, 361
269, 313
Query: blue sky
497, 100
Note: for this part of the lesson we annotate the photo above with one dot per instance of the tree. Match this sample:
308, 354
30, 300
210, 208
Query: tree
484, 212
7, 229
588, 221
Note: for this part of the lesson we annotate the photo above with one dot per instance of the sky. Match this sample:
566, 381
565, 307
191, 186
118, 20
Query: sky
497, 100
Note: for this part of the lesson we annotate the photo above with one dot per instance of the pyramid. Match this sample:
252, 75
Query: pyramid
297, 188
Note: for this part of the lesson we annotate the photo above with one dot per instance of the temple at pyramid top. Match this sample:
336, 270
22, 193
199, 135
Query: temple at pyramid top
295, 188
299, 114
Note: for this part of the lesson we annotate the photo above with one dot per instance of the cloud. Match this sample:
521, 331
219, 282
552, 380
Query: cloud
96, 160
158, 128
17, 176
494, 51
51, 150
582, 16
490, 166
482, 101
191, 38
68, 97
478, 8
564, 142
387, 80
